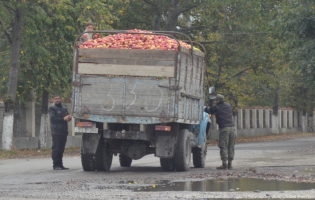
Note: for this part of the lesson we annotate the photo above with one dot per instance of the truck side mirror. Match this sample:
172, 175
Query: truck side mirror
212, 92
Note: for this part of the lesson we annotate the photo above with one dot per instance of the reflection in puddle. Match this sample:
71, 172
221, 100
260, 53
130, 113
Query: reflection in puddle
244, 184
39, 183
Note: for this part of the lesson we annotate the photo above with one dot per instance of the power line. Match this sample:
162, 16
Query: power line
235, 33
242, 33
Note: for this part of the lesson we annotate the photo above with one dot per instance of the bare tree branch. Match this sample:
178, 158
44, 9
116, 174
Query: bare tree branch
5, 31
235, 75
140, 22
148, 2
9, 8
186, 9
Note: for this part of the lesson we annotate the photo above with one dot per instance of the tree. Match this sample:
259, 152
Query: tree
296, 24
14, 9
173, 15
48, 67
44, 48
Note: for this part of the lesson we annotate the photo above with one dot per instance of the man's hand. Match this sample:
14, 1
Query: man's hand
67, 118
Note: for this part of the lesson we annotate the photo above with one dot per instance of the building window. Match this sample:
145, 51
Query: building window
257, 118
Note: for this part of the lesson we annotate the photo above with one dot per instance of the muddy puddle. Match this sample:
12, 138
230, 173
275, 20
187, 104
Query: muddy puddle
227, 185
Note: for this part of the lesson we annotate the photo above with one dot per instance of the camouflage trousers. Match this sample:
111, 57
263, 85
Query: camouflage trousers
227, 140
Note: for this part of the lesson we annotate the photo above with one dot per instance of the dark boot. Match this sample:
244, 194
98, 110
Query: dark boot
230, 164
224, 166
64, 168
57, 168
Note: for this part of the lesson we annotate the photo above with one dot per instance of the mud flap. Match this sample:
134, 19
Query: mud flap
90, 142
165, 146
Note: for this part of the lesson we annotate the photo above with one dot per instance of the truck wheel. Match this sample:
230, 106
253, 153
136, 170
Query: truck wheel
87, 161
167, 164
183, 151
199, 156
103, 158
124, 160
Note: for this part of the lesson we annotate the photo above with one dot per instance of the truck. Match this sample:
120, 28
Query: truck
134, 102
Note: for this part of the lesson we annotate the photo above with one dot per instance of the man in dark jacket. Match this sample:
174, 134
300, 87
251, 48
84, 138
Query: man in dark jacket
59, 119
224, 117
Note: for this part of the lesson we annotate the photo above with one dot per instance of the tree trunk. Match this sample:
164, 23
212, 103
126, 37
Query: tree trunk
43, 133
157, 20
172, 16
275, 121
7, 134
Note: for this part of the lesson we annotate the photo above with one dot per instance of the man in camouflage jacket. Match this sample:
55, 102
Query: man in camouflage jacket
227, 137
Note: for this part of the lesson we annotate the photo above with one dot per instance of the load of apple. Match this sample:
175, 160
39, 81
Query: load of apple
136, 41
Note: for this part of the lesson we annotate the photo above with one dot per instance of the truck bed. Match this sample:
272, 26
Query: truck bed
138, 86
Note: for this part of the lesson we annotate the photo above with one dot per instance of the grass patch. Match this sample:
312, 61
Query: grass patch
38, 153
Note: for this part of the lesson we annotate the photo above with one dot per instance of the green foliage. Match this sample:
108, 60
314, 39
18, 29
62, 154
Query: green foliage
50, 29
296, 27
253, 47
239, 58
157, 14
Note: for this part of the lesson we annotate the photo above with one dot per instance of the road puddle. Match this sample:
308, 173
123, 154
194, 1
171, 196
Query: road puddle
40, 183
228, 185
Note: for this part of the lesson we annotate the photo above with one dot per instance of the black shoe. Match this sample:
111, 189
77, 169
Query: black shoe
64, 168
57, 168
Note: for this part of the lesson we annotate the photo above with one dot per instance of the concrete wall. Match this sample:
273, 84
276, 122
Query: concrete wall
27, 127
250, 121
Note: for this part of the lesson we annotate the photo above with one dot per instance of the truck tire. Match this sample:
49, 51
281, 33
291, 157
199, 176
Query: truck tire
199, 156
103, 158
87, 161
167, 164
182, 156
124, 160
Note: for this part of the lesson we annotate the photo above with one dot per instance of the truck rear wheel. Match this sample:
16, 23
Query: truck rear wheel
124, 160
182, 156
167, 164
103, 158
199, 156
87, 161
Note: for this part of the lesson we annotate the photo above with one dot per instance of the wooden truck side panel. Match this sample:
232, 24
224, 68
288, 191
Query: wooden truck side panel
125, 96
124, 85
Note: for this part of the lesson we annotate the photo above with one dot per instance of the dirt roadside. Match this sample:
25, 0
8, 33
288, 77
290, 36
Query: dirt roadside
75, 151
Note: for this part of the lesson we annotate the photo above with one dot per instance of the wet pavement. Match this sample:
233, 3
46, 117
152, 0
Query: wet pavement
262, 170
227, 185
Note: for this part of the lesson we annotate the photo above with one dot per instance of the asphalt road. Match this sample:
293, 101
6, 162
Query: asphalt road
33, 178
